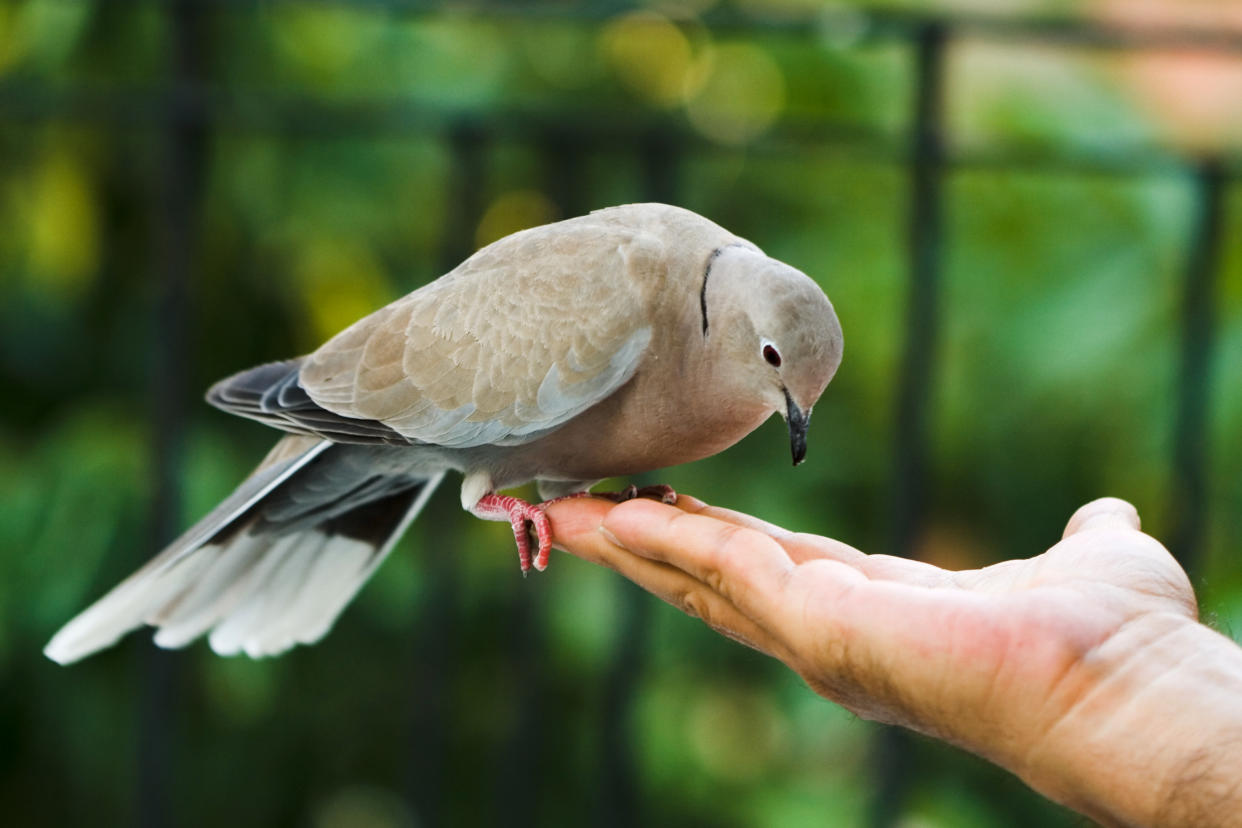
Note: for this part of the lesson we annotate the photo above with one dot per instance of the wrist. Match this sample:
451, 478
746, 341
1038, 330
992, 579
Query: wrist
1153, 735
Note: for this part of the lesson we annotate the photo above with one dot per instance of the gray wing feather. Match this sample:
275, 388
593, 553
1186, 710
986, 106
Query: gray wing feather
125, 606
272, 395
273, 566
518, 340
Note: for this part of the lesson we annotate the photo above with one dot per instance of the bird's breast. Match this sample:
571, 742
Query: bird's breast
652, 422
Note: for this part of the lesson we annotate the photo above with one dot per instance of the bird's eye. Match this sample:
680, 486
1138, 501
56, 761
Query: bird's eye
772, 356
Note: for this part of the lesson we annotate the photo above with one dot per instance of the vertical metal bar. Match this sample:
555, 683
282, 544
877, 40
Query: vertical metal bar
175, 240
1190, 436
619, 800
562, 169
891, 751
435, 629
520, 786
660, 158
924, 229
518, 791
619, 803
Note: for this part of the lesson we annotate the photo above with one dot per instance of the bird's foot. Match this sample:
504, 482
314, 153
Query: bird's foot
520, 514
660, 492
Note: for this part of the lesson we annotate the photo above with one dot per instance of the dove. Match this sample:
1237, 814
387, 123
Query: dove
631, 339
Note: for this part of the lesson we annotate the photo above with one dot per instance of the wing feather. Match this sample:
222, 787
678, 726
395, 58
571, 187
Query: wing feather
520, 338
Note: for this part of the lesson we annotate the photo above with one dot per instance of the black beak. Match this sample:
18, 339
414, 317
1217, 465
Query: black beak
797, 422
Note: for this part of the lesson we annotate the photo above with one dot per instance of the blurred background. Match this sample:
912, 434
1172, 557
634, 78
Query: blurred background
1027, 213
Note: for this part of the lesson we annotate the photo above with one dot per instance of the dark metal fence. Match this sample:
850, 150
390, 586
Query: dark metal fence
186, 109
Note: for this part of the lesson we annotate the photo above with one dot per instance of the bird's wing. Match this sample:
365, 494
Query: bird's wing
271, 394
125, 606
520, 338
272, 566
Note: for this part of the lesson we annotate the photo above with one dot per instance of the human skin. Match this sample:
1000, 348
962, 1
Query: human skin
1083, 670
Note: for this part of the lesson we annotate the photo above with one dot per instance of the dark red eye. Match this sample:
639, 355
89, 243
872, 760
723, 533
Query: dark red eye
772, 355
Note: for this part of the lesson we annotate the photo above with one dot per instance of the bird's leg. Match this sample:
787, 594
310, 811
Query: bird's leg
519, 513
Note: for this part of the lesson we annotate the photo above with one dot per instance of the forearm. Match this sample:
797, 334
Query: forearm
1155, 738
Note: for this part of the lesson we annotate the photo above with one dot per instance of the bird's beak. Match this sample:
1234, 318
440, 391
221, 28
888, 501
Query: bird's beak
797, 422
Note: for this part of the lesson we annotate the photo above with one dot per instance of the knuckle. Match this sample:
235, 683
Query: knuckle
728, 560
715, 580
694, 604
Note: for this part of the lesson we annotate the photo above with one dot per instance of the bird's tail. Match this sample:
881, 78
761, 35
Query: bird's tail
270, 567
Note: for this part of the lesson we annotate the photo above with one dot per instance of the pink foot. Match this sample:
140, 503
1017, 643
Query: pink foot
518, 512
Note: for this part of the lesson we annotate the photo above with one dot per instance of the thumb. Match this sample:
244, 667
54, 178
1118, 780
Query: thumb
1106, 512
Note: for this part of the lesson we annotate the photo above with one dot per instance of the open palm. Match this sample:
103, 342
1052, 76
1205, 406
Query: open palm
1001, 660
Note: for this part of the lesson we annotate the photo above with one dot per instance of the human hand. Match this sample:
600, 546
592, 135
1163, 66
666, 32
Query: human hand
1026, 662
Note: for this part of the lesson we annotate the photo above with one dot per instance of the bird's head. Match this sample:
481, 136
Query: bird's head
779, 331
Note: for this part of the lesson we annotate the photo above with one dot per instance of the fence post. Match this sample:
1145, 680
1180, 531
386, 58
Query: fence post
891, 750
1190, 440
519, 790
620, 800
174, 238
435, 629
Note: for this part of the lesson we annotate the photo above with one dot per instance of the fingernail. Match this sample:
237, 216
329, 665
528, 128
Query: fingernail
609, 536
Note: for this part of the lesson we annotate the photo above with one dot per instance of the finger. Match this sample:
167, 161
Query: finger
904, 571
1127, 557
698, 507
576, 518
571, 525
745, 566
692, 597
801, 547
1104, 513
584, 514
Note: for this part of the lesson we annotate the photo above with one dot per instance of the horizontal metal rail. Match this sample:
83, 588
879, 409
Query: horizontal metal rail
34, 102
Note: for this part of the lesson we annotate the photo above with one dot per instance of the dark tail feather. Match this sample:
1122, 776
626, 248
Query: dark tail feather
259, 587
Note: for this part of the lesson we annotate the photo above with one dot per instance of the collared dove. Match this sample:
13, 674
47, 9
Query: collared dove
630, 339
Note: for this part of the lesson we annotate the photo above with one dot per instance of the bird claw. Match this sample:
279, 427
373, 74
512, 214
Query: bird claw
520, 515
523, 517
660, 492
